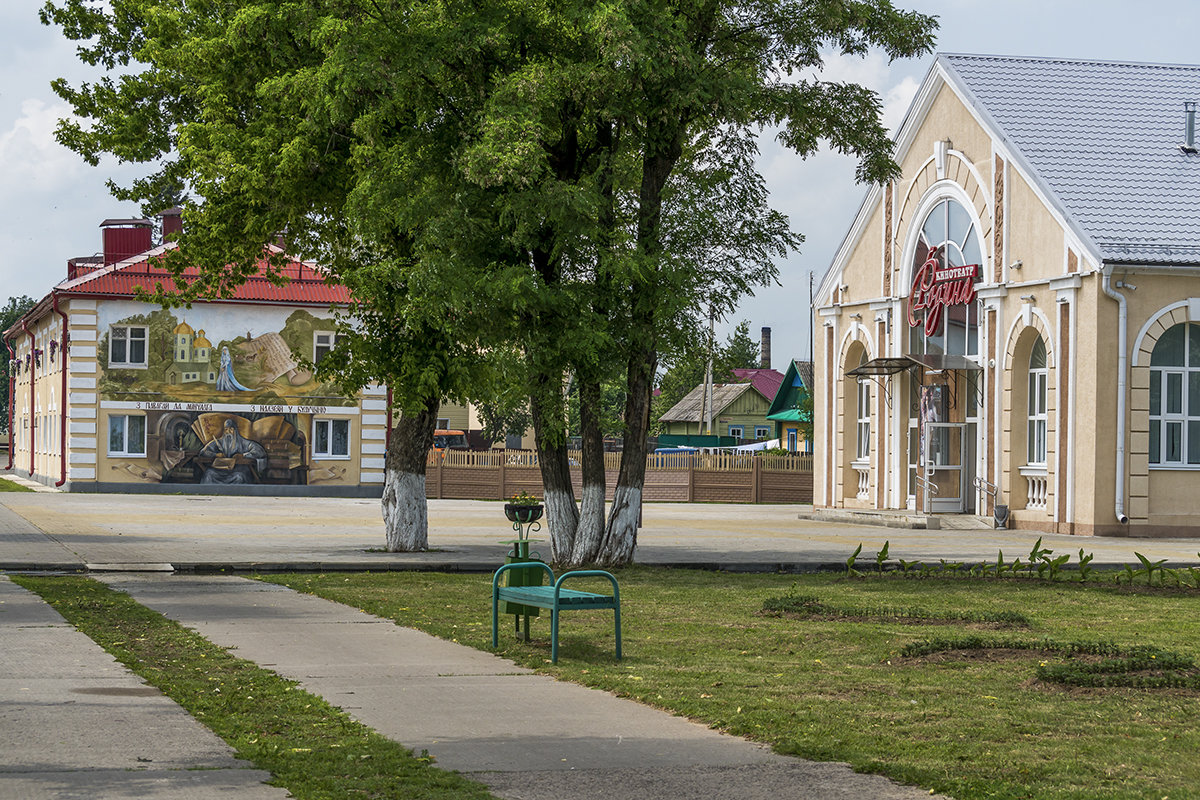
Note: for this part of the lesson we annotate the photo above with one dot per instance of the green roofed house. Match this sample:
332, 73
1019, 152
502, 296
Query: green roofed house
786, 408
739, 410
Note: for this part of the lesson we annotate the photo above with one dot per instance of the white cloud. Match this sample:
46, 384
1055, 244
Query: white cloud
30, 157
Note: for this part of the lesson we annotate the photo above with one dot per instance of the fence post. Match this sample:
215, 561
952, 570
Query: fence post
503, 488
691, 477
756, 480
441, 468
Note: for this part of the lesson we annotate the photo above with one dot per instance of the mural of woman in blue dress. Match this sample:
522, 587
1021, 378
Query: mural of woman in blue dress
226, 382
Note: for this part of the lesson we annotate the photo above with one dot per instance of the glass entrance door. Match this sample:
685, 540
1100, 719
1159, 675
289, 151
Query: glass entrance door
943, 465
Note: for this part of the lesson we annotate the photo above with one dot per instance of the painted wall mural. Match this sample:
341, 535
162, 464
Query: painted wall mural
220, 395
170, 355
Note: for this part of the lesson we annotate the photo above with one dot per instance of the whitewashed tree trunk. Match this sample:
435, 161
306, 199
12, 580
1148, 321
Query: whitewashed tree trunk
405, 509
620, 536
589, 535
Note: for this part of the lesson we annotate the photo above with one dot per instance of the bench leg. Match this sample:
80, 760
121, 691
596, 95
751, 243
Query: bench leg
495, 621
617, 625
554, 635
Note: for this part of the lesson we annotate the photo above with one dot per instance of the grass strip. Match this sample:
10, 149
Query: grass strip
1136, 667
837, 690
311, 748
9, 486
811, 606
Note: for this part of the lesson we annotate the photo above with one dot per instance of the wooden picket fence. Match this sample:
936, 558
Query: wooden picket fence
680, 477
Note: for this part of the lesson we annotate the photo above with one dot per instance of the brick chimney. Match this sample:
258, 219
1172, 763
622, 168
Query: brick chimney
126, 237
172, 223
766, 349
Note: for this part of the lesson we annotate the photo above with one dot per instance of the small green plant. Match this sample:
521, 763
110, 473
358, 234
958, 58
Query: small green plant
1149, 567
906, 567
524, 498
851, 572
1084, 569
880, 557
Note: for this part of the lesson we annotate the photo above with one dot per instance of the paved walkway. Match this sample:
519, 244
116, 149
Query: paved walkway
525, 735
74, 723
203, 533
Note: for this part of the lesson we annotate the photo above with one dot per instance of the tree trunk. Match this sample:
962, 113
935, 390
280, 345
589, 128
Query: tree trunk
405, 510
562, 515
590, 533
620, 537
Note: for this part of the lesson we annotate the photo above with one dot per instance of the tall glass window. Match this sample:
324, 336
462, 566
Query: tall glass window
863, 449
1035, 439
951, 239
1175, 397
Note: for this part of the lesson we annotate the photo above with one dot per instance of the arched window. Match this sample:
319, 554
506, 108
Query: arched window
948, 238
863, 448
1036, 436
1175, 397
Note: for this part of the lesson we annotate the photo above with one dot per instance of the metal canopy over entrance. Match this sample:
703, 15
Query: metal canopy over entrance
890, 365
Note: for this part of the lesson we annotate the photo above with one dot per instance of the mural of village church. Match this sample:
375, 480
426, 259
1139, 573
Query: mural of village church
237, 411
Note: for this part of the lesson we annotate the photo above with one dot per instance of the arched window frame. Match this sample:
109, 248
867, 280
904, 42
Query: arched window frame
1039, 379
948, 200
1175, 397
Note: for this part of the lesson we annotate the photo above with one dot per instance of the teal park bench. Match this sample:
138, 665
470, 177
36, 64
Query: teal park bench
555, 598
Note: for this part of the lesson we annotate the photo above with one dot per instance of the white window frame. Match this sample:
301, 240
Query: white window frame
124, 423
1165, 419
323, 344
129, 329
863, 444
792, 440
1036, 417
762, 431
737, 431
327, 454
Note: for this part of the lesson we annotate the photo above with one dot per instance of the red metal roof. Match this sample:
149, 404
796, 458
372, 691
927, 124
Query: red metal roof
306, 285
765, 381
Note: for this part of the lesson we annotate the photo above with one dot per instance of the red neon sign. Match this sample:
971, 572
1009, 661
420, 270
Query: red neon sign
934, 287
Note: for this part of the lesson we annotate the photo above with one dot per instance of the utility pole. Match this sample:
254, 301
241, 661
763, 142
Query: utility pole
708, 376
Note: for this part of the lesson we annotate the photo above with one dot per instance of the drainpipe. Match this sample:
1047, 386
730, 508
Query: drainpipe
32, 384
62, 425
12, 396
1122, 336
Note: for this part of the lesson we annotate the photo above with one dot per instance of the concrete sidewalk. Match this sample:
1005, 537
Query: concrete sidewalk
75, 723
189, 533
525, 735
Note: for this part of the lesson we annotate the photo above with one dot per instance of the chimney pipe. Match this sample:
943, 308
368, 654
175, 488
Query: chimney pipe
126, 237
1189, 127
172, 223
766, 348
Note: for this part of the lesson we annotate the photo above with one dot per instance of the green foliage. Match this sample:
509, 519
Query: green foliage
850, 570
9, 486
880, 557
12, 311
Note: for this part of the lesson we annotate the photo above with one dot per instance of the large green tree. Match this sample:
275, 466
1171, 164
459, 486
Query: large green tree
12, 311
570, 181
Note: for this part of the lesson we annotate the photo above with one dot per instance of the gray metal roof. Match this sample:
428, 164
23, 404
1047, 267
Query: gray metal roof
1103, 139
691, 407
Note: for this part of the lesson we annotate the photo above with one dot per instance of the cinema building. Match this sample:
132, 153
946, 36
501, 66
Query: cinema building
1015, 320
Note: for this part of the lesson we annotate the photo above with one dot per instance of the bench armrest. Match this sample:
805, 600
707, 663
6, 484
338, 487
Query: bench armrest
586, 573
519, 565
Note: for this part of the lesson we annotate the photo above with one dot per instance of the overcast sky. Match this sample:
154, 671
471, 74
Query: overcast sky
51, 203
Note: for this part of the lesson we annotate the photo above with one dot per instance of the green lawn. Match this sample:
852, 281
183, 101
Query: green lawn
8, 486
975, 724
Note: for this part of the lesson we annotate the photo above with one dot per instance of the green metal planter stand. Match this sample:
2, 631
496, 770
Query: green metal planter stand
525, 520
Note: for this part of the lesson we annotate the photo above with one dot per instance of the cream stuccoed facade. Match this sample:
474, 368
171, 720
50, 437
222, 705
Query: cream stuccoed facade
1012, 320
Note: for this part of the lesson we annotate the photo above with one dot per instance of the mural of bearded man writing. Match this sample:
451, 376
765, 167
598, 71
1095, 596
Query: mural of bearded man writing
236, 459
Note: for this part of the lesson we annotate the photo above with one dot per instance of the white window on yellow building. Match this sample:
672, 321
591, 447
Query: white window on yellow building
331, 438
1175, 397
126, 435
1036, 432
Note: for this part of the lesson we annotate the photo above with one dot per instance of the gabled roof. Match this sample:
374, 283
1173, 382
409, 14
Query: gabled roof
1103, 139
306, 286
797, 381
691, 407
765, 381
